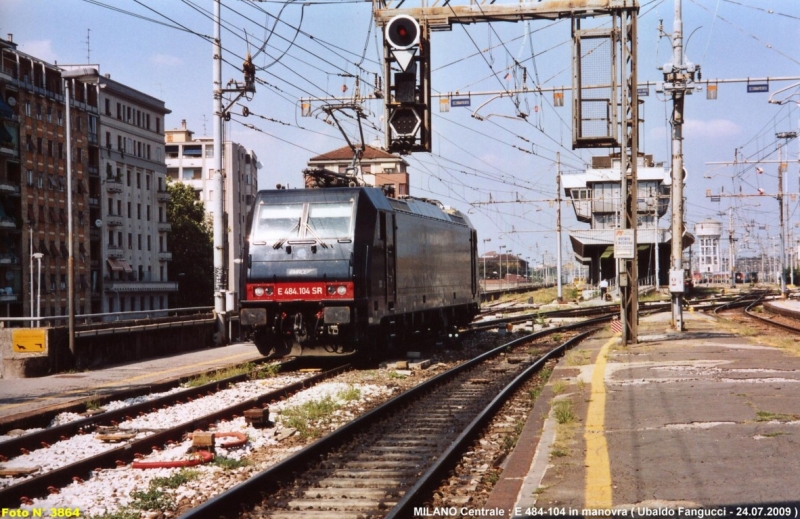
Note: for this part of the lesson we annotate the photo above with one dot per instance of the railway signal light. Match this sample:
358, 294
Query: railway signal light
405, 122
407, 93
402, 32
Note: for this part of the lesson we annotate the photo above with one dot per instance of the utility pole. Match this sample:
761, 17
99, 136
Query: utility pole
679, 81
558, 226
782, 166
731, 241
221, 114
218, 204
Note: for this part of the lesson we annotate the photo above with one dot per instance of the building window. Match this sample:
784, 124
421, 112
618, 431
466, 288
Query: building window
192, 173
119, 111
139, 241
130, 240
148, 242
139, 212
108, 106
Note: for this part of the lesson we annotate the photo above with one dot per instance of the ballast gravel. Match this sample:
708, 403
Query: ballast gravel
109, 490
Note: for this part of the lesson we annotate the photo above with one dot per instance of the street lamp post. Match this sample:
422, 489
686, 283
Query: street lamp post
484, 261
30, 234
508, 269
500, 263
77, 74
38, 257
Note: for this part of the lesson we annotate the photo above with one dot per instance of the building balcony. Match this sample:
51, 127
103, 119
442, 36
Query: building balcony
9, 152
164, 256
94, 201
113, 220
164, 227
7, 222
114, 251
8, 258
163, 196
5, 297
113, 185
140, 286
8, 188
94, 171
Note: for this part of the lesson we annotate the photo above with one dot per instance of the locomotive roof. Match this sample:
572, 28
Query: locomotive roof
422, 207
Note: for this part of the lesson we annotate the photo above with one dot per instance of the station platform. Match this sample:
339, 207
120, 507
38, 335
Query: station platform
706, 418
22, 396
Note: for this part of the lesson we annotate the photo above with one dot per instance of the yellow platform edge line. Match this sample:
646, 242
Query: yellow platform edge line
598, 466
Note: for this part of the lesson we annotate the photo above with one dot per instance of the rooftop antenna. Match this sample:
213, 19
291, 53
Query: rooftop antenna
88, 47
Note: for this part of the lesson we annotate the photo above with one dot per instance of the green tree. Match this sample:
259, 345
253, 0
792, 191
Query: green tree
192, 247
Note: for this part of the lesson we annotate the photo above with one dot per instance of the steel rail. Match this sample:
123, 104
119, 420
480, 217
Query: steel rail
247, 492
34, 440
10, 497
437, 472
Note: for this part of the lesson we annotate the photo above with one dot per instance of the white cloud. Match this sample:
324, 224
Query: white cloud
42, 49
713, 128
165, 60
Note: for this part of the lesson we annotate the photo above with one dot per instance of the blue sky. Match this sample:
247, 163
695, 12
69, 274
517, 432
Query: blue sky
316, 48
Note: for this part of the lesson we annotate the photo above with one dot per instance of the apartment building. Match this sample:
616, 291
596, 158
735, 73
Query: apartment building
118, 192
190, 160
131, 213
379, 168
33, 186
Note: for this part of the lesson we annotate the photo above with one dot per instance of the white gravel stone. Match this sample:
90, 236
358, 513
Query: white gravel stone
109, 490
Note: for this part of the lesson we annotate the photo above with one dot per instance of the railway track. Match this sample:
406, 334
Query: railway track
387, 461
23, 487
53, 478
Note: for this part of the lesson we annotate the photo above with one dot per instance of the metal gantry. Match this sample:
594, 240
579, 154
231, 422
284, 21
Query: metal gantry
608, 120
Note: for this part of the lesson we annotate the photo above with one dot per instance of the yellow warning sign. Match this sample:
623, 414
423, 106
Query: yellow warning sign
30, 341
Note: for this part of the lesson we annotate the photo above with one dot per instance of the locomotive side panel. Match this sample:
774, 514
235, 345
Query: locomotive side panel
433, 263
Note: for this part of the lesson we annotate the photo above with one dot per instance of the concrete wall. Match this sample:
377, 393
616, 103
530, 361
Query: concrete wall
102, 345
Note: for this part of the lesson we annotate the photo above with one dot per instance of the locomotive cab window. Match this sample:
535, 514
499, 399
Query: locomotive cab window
316, 221
276, 222
326, 221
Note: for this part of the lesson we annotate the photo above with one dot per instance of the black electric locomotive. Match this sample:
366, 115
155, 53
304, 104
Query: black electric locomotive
338, 271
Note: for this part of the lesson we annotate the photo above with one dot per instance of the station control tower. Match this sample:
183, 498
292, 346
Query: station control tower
709, 261
595, 194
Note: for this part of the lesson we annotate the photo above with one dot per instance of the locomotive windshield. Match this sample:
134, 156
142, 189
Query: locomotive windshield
329, 220
277, 222
317, 221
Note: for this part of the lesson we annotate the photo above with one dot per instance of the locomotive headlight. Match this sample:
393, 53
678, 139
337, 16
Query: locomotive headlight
342, 290
259, 291
269, 291
331, 290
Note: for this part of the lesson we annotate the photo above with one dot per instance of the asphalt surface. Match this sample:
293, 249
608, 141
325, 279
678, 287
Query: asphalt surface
702, 418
